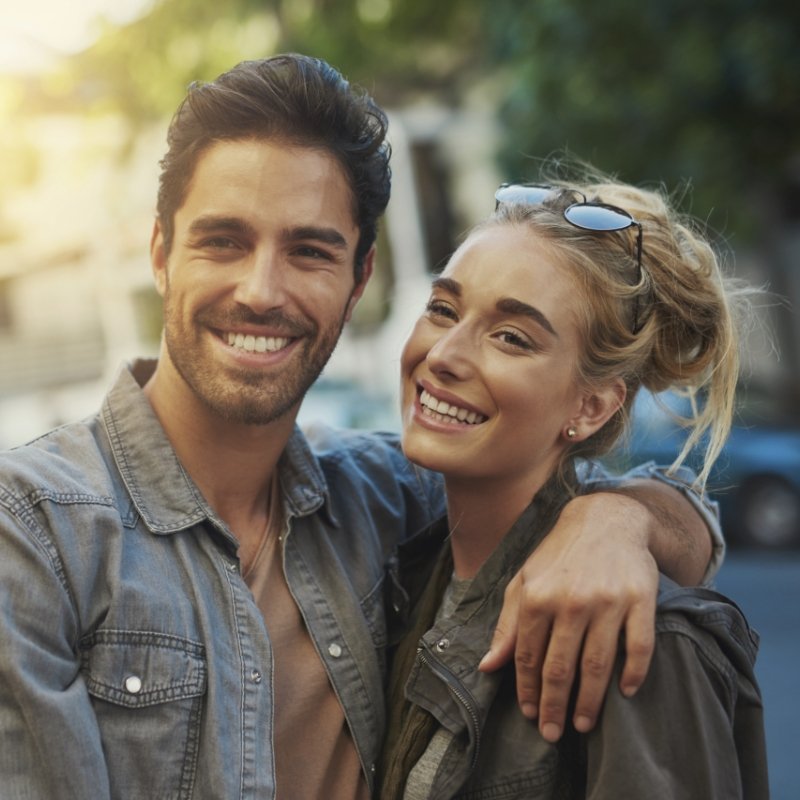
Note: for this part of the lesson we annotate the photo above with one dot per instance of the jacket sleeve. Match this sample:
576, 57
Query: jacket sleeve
694, 731
50, 738
595, 477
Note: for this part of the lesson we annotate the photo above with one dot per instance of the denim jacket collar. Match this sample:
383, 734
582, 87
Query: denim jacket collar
173, 502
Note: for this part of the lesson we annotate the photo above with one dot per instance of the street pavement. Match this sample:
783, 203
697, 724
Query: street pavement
766, 586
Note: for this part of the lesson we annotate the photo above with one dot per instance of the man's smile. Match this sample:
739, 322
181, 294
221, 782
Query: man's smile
256, 344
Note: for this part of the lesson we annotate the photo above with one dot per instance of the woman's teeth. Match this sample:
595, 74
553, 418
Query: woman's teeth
444, 412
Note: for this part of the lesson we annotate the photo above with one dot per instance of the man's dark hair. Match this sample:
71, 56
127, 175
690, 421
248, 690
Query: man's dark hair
294, 98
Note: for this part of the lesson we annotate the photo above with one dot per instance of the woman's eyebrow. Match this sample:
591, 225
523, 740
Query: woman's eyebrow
508, 305
448, 284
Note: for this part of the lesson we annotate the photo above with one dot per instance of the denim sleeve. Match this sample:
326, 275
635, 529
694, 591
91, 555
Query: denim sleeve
51, 742
596, 477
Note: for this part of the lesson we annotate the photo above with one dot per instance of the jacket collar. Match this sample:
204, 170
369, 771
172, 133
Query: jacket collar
161, 490
410, 567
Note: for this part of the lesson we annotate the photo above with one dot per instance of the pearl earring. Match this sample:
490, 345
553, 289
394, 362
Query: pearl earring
571, 433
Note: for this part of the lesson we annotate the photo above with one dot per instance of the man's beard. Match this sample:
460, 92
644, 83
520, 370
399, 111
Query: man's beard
248, 396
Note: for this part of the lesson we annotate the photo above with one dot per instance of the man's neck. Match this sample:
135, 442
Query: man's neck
232, 464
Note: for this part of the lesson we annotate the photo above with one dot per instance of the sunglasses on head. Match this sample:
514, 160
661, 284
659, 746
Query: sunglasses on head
585, 214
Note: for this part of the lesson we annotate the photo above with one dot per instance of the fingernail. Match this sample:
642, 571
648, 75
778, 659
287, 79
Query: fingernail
629, 691
583, 724
551, 732
530, 710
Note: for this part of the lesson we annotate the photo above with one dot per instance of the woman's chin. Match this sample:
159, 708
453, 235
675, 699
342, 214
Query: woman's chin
419, 449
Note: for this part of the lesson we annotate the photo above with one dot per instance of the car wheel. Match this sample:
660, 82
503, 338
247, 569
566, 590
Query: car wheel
767, 513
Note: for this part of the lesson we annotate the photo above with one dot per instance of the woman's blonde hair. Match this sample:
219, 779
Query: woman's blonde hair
672, 327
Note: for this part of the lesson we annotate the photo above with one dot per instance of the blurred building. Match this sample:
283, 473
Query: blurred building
76, 294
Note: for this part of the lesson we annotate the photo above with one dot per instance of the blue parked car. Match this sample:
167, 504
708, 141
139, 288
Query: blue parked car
756, 479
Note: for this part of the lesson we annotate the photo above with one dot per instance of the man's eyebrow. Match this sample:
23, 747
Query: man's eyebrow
329, 236
209, 223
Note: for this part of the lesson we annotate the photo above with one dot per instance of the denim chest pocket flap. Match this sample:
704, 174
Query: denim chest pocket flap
137, 669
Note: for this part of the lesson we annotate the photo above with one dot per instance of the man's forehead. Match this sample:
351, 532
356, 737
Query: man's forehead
292, 185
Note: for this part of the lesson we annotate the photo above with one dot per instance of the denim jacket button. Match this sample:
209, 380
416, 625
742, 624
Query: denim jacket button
335, 650
255, 676
133, 684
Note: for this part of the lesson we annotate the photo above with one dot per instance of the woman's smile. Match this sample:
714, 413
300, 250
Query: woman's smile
448, 410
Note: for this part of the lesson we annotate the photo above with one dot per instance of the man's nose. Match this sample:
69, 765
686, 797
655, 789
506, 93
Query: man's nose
263, 284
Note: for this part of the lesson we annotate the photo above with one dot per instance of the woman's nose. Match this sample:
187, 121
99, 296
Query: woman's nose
453, 353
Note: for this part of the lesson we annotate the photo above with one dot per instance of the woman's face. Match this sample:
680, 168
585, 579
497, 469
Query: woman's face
488, 374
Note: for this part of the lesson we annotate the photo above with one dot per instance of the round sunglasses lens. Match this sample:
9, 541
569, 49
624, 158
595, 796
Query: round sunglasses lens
529, 195
598, 218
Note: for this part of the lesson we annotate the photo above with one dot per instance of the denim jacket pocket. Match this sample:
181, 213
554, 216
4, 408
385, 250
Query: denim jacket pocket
148, 692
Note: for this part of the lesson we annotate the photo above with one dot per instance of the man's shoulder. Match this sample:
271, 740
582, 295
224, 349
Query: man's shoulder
342, 443
376, 456
68, 459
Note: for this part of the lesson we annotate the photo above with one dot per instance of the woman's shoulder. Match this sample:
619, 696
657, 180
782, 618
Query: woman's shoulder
712, 622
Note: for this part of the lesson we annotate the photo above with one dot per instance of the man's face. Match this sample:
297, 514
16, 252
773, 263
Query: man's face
259, 281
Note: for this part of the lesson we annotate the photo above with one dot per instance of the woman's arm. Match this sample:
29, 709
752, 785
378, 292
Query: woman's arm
594, 578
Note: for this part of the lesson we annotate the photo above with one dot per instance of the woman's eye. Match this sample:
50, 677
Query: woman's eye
437, 308
516, 340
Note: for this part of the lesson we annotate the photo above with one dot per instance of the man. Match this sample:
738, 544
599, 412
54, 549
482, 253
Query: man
192, 600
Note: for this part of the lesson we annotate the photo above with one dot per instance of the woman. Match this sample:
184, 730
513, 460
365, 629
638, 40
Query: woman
537, 336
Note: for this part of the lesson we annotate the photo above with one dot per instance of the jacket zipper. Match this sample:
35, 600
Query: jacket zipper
458, 692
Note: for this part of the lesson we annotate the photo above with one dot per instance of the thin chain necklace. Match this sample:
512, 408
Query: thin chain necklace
274, 516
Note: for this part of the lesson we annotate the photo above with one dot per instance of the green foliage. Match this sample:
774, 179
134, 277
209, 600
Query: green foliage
664, 90
403, 47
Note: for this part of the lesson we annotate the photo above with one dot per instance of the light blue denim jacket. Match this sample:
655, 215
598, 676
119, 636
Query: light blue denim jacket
134, 662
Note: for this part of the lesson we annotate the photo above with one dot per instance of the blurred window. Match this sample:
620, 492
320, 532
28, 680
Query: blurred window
436, 210
6, 321
147, 308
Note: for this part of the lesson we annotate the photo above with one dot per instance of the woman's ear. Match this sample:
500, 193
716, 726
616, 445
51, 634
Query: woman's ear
598, 406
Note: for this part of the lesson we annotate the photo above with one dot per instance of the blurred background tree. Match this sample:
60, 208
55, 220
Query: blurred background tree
673, 91
670, 90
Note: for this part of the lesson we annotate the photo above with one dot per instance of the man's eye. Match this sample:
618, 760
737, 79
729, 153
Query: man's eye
307, 251
219, 243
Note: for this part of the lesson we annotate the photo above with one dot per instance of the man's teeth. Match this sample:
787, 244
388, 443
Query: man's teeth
444, 412
257, 344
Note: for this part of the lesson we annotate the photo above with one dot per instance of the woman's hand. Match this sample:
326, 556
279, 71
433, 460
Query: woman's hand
592, 579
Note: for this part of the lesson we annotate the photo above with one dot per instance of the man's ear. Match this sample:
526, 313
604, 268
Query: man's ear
158, 258
598, 406
366, 273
